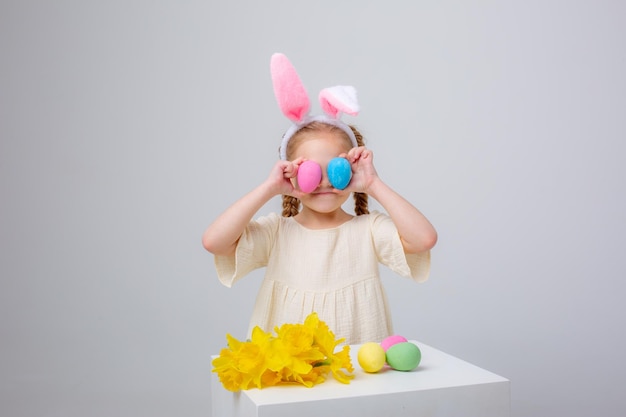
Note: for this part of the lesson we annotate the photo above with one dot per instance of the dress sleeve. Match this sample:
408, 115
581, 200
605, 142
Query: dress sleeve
391, 253
253, 250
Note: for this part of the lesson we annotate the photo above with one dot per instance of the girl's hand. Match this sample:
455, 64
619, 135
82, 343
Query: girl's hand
281, 176
363, 172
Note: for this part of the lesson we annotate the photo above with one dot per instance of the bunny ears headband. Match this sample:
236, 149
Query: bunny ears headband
294, 102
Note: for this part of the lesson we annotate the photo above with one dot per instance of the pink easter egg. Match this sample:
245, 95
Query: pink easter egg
392, 340
309, 176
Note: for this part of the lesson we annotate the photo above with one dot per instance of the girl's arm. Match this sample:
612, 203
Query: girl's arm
416, 232
221, 237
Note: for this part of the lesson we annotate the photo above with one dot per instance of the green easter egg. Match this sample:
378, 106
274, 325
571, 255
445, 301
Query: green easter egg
404, 356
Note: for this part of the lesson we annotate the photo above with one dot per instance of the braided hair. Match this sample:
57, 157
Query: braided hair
291, 205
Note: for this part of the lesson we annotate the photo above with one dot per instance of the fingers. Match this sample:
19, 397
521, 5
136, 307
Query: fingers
289, 169
358, 153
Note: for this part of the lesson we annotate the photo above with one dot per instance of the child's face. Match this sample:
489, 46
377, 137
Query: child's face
321, 147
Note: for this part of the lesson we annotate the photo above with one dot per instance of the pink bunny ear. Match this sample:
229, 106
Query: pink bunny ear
339, 99
290, 93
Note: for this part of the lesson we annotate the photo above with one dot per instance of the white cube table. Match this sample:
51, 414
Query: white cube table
441, 385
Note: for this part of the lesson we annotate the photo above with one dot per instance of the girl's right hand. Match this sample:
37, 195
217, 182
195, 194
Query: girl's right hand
281, 178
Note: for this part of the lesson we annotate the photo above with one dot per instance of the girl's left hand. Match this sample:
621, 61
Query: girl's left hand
363, 172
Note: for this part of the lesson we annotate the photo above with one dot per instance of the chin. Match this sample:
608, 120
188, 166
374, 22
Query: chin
325, 208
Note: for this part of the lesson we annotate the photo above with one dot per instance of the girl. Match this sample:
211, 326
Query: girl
318, 257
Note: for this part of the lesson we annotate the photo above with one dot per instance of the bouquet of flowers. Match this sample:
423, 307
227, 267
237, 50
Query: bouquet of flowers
298, 353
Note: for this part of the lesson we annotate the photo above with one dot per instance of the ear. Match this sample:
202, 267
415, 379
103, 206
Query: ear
290, 93
339, 99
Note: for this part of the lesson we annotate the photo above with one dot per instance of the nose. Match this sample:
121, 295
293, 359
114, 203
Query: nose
325, 181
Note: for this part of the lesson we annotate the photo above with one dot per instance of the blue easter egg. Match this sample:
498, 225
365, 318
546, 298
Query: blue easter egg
339, 172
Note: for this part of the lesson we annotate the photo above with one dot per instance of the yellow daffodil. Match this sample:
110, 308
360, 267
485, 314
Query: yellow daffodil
299, 353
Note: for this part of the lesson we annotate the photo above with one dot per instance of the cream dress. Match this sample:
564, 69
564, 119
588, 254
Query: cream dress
334, 272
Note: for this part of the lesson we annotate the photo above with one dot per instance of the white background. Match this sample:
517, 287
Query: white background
126, 127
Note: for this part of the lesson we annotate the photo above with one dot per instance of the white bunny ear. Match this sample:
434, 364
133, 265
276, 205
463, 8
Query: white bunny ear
339, 99
290, 93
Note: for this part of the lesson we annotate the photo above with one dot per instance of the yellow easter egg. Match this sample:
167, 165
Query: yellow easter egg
371, 357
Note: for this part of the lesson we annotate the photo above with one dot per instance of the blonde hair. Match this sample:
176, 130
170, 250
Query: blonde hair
291, 205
